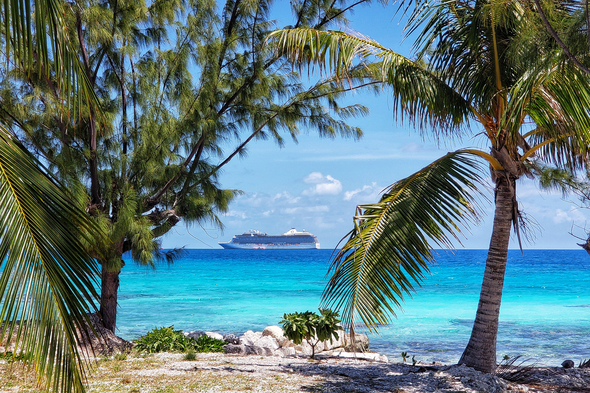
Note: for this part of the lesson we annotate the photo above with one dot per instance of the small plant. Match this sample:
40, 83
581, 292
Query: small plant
120, 356
404, 356
414, 361
11, 357
162, 340
207, 344
190, 355
506, 357
166, 339
311, 327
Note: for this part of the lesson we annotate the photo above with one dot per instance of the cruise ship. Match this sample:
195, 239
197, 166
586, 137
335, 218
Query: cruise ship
290, 240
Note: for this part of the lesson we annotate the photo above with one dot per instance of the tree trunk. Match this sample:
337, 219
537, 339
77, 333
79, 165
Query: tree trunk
108, 295
481, 349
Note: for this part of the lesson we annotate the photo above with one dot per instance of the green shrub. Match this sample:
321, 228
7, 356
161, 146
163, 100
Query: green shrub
311, 327
11, 357
166, 339
190, 355
207, 344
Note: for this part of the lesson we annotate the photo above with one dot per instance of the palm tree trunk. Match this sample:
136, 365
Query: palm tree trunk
481, 349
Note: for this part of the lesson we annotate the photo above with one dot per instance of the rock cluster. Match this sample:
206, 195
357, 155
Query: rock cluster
272, 342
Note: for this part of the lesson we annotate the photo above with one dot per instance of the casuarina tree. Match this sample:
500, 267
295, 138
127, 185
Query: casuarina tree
182, 88
480, 72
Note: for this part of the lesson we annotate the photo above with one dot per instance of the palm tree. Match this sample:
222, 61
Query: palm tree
481, 79
48, 279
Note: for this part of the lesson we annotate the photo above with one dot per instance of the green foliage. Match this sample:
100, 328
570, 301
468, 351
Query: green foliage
182, 89
164, 339
404, 356
167, 339
311, 327
47, 279
11, 357
205, 343
388, 252
481, 70
190, 355
120, 356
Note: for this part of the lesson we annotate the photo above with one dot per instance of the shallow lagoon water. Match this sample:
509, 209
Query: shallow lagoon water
545, 314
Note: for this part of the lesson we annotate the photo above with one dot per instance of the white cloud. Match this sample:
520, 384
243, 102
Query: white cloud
314, 178
236, 214
570, 216
368, 193
285, 196
324, 185
348, 195
306, 209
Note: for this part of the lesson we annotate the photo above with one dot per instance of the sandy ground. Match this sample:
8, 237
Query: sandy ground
170, 373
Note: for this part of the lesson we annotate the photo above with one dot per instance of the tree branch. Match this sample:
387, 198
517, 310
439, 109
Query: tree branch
94, 186
558, 40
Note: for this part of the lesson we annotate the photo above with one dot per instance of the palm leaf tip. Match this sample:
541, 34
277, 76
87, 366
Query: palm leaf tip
48, 281
390, 248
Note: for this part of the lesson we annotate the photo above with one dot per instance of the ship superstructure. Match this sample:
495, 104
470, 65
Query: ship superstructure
290, 240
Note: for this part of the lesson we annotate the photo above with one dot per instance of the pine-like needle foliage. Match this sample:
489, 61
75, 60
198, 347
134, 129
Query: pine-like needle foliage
183, 88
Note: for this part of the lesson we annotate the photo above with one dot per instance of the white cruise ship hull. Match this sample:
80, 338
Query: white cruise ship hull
233, 246
290, 240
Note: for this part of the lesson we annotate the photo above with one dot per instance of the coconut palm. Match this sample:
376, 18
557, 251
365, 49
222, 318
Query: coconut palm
482, 80
47, 280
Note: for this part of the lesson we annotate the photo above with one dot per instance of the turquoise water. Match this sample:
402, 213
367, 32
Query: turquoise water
545, 313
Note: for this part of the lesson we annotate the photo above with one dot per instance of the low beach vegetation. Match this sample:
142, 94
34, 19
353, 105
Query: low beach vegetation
167, 339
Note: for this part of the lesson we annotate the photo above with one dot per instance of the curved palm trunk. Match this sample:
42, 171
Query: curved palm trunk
481, 349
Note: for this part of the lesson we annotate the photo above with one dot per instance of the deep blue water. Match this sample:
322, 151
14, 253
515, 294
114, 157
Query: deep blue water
545, 314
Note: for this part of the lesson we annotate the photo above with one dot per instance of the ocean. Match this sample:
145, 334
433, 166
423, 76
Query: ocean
545, 314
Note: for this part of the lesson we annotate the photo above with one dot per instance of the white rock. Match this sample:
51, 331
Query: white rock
267, 342
361, 342
250, 337
358, 355
304, 348
299, 349
276, 332
336, 343
195, 334
319, 347
215, 335
285, 351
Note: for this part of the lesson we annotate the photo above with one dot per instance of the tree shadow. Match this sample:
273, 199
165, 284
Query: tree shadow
372, 378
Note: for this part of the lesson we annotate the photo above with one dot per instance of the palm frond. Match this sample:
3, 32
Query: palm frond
48, 280
555, 101
422, 96
37, 36
388, 251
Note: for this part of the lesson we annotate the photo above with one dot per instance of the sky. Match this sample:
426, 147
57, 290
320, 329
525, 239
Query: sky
317, 183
